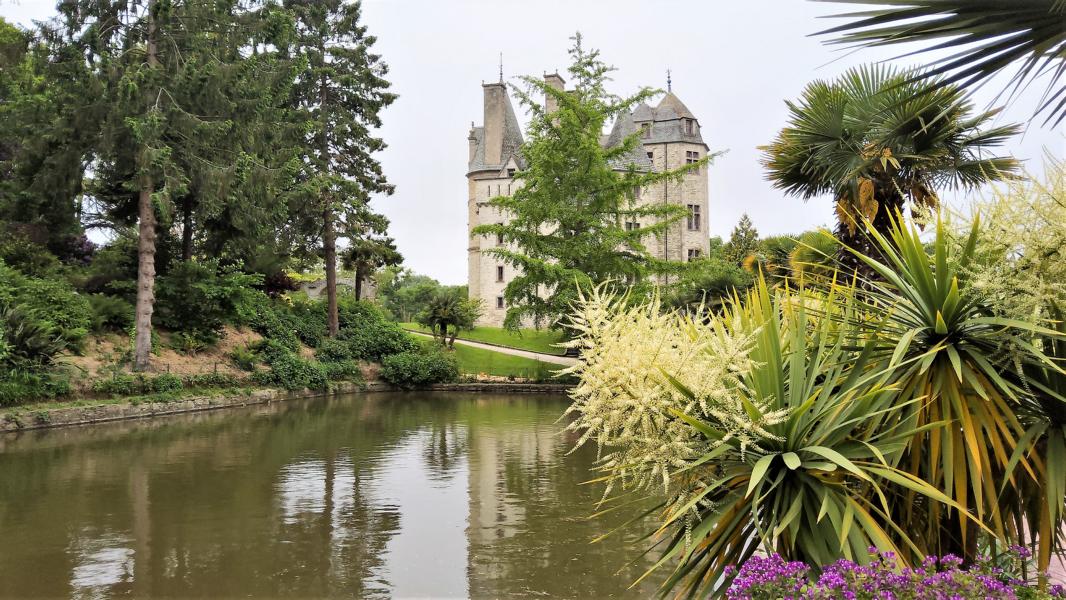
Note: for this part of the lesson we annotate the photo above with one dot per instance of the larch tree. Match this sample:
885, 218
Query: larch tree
566, 227
339, 95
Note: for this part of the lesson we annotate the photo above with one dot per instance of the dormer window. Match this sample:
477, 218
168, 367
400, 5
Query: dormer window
690, 126
645, 130
510, 172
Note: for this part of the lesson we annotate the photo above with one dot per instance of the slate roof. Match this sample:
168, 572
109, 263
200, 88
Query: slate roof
512, 142
665, 123
624, 126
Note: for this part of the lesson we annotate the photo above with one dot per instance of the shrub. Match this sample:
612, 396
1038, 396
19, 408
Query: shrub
29, 342
51, 302
163, 383
201, 296
110, 313
118, 385
192, 342
289, 370
771, 578
333, 350
17, 387
211, 380
412, 369
268, 318
346, 370
374, 340
243, 357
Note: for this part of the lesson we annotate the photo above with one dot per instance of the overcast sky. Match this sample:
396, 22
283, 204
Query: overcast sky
733, 64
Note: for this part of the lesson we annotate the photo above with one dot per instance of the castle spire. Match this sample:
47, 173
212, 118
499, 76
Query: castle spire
669, 83
501, 67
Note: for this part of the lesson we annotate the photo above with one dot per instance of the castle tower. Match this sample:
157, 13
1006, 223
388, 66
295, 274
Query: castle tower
493, 161
670, 137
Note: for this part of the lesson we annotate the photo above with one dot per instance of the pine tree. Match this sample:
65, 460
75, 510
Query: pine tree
566, 228
743, 241
340, 94
160, 67
366, 254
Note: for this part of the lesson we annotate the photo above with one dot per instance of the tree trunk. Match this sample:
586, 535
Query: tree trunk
358, 282
329, 247
186, 230
142, 346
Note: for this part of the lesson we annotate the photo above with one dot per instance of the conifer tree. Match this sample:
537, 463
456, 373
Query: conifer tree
743, 241
159, 67
566, 229
339, 94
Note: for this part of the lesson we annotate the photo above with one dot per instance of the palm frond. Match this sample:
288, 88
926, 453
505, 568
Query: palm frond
987, 35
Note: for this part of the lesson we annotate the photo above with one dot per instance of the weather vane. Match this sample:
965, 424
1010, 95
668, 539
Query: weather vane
668, 81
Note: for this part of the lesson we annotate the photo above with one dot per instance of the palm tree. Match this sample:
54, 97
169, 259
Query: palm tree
447, 314
876, 139
982, 38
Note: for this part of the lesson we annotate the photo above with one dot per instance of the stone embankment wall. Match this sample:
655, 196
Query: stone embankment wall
25, 419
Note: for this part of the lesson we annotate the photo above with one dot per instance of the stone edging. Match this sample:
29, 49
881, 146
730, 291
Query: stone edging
67, 416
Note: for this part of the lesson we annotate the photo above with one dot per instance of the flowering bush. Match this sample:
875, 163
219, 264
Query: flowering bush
774, 578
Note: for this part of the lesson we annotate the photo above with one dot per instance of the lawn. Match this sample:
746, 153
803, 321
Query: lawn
474, 361
534, 340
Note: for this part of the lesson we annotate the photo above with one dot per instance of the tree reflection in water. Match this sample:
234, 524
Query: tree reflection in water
370, 496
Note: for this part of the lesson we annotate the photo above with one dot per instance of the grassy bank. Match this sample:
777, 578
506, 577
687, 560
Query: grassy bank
534, 340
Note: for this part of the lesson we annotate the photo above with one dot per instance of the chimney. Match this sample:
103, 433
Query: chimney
495, 111
557, 82
473, 142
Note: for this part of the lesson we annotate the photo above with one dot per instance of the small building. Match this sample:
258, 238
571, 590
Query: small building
317, 289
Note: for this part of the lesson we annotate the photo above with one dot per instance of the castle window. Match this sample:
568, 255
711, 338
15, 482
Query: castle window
645, 130
510, 172
693, 253
690, 126
499, 273
693, 217
499, 238
632, 225
692, 157
499, 301
651, 156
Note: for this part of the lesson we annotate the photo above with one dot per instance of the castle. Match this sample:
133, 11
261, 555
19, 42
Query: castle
669, 136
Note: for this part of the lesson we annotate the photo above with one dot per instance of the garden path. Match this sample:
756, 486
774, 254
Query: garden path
548, 358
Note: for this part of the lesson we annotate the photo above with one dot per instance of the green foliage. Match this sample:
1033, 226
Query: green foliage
565, 226
289, 370
53, 303
243, 357
403, 294
28, 342
22, 386
198, 298
110, 313
31, 259
448, 313
165, 383
333, 350
708, 283
875, 140
988, 37
211, 380
419, 368
345, 370
742, 242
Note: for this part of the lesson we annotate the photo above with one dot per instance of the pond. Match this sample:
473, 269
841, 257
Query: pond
371, 495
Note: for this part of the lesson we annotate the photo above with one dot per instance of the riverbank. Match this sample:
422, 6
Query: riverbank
88, 412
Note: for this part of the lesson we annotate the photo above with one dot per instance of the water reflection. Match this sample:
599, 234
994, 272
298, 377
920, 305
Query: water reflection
386, 495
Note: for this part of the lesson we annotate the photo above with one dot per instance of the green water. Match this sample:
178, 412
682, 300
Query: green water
370, 496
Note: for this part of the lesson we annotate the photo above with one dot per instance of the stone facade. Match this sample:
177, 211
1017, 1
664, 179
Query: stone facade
670, 137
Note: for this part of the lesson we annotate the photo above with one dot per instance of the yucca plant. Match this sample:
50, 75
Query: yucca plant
819, 484
937, 342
